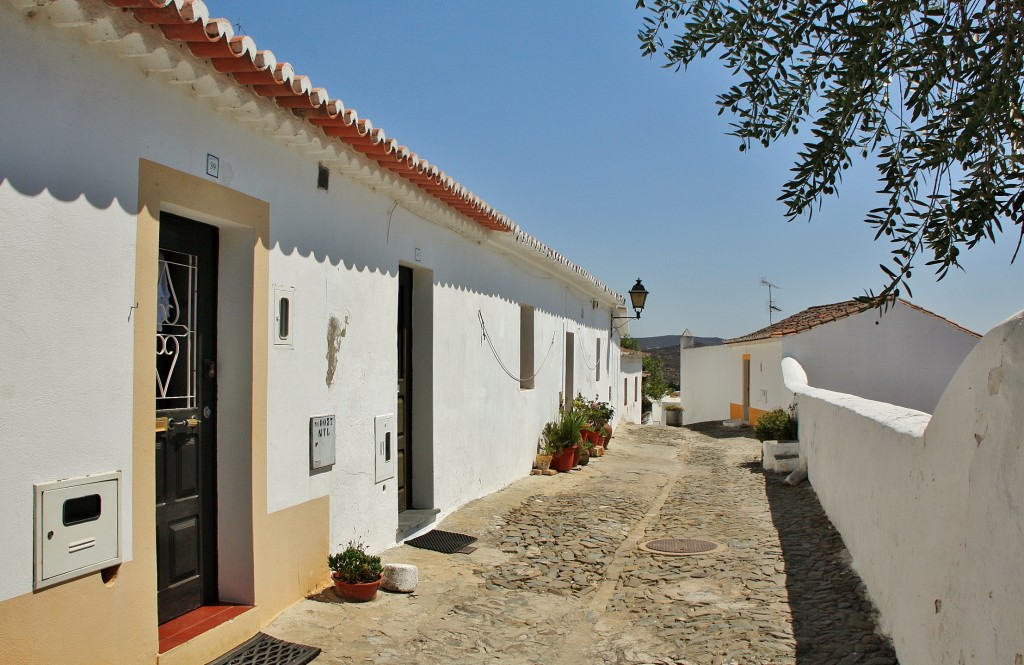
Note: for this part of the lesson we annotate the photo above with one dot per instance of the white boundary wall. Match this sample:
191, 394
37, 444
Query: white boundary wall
932, 508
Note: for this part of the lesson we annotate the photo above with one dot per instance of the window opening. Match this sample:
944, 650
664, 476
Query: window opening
526, 346
176, 330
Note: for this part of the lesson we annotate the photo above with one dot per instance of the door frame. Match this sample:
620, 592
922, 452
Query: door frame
243, 259
745, 378
406, 390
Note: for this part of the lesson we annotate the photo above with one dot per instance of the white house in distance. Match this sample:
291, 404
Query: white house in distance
905, 356
631, 402
215, 279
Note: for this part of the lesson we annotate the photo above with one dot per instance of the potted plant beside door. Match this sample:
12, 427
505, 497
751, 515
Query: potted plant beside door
356, 574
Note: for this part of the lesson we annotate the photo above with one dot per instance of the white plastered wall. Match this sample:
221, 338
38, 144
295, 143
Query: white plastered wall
68, 207
932, 507
631, 403
67, 229
903, 357
711, 378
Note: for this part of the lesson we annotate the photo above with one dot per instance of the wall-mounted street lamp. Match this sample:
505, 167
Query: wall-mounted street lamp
638, 298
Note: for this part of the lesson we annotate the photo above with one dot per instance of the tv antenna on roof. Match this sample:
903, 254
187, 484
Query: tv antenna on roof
771, 305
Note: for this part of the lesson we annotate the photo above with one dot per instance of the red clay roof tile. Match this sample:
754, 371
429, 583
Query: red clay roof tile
812, 317
213, 39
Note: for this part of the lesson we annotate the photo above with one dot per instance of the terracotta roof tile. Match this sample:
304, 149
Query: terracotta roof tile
812, 317
213, 39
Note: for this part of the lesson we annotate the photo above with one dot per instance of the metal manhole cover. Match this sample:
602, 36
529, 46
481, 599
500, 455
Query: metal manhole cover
681, 546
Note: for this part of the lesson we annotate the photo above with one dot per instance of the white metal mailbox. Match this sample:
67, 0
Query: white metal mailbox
77, 527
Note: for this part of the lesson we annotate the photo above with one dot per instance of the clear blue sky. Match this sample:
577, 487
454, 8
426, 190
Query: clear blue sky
547, 111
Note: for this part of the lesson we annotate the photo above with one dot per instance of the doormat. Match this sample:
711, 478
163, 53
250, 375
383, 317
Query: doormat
445, 542
266, 650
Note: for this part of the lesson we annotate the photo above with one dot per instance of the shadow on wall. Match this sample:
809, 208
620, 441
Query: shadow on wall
302, 234
832, 616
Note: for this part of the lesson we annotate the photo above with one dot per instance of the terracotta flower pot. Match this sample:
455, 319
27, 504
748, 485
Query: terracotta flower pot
359, 592
563, 461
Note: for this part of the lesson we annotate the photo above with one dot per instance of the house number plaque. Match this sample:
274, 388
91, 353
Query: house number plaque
321, 441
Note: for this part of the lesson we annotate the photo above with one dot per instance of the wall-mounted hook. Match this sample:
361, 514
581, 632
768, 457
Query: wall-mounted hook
130, 310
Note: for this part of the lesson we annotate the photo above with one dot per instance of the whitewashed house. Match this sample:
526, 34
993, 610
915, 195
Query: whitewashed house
216, 278
630, 405
905, 356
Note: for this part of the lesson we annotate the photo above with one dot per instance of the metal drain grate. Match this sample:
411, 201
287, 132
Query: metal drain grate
266, 650
446, 542
681, 546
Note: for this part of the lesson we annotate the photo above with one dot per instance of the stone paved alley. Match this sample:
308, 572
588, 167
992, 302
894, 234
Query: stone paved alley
559, 577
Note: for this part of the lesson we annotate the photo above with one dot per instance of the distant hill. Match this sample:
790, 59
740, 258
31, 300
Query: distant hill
662, 341
666, 347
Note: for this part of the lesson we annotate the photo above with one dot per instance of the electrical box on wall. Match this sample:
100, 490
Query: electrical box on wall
77, 527
321, 441
387, 447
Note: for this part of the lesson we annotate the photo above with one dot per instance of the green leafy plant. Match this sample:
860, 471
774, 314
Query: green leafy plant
354, 566
777, 425
654, 385
564, 432
602, 413
598, 413
628, 342
550, 443
929, 91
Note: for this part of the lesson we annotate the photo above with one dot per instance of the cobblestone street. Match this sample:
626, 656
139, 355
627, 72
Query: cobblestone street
559, 575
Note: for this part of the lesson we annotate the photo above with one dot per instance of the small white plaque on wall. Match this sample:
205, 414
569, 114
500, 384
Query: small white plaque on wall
321, 441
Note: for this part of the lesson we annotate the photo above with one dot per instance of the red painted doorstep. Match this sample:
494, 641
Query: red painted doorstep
182, 629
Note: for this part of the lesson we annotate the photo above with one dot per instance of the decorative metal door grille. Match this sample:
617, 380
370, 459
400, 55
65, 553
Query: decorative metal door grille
176, 348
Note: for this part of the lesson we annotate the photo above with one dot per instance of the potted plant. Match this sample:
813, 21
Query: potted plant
777, 431
549, 447
674, 415
356, 574
585, 448
562, 438
777, 425
601, 414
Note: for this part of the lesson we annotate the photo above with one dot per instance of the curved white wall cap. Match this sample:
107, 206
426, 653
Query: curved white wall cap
793, 375
898, 418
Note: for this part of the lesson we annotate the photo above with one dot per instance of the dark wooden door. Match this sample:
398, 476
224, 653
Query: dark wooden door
186, 389
404, 410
